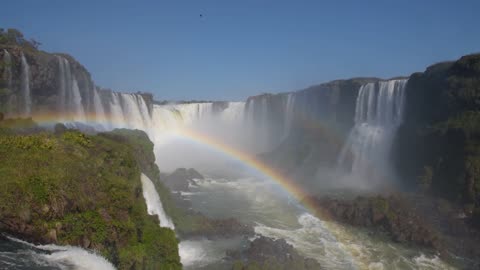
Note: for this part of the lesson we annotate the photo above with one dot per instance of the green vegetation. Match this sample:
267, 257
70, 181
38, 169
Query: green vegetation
186, 222
14, 37
85, 190
439, 145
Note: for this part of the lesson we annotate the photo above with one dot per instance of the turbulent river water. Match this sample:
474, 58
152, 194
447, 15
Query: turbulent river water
275, 214
21, 255
255, 201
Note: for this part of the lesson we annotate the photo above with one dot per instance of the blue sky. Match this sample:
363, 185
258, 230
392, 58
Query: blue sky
242, 48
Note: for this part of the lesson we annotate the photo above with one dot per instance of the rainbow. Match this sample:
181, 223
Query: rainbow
252, 162
50, 118
289, 185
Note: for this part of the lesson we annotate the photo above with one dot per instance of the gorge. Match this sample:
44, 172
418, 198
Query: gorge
284, 166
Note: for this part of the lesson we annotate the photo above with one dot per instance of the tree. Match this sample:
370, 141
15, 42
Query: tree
15, 36
35, 43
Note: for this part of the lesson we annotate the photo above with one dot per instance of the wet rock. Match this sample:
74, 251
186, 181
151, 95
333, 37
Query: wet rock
216, 228
181, 178
268, 253
389, 214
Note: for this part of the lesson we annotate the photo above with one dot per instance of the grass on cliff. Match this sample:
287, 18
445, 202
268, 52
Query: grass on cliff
84, 190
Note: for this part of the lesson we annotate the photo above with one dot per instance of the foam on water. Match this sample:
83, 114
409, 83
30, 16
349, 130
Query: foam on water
202, 252
314, 240
67, 257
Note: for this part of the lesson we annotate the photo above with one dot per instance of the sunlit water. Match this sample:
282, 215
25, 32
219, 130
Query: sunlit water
274, 214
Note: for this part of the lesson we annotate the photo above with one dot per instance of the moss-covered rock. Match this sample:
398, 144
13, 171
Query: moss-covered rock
439, 142
84, 190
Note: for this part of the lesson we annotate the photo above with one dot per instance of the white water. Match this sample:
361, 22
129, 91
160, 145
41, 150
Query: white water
7, 76
203, 252
64, 81
276, 215
98, 106
378, 114
67, 257
289, 107
7, 72
154, 204
25, 87
69, 100
76, 105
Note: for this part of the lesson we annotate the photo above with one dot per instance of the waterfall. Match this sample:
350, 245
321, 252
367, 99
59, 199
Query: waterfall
258, 124
100, 116
69, 101
7, 71
378, 114
25, 87
154, 204
7, 76
288, 118
64, 79
76, 103
134, 114
235, 112
116, 112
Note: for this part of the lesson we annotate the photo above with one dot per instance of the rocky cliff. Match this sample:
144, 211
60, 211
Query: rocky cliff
37, 82
82, 190
438, 145
308, 127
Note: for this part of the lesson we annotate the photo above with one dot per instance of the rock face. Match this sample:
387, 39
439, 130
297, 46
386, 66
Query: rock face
181, 178
391, 215
267, 253
438, 146
202, 226
314, 130
410, 219
57, 83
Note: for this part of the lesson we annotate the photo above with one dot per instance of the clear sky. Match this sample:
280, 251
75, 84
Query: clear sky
241, 48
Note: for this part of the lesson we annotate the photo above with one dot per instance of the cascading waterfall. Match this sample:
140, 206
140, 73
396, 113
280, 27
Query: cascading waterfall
64, 81
69, 101
100, 115
7, 72
378, 114
154, 204
116, 111
257, 124
7, 76
25, 87
289, 106
234, 113
76, 102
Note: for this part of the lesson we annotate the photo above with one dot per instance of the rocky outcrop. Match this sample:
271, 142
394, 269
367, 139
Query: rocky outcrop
411, 219
389, 214
181, 179
210, 228
83, 190
438, 146
267, 253
321, 117
46, 77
